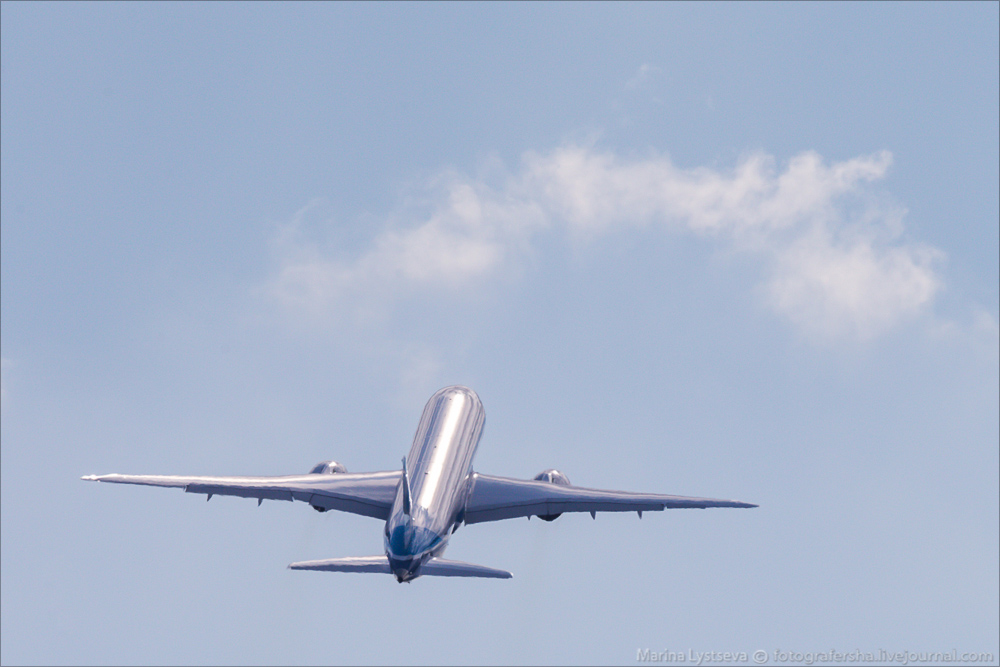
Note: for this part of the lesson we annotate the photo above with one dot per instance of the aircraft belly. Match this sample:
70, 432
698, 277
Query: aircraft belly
438, 470
441, 457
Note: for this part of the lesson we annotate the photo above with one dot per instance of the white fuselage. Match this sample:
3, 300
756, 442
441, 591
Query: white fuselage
439, 470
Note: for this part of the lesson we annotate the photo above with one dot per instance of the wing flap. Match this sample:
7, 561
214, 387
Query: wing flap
495, 498
253, 492
368, 494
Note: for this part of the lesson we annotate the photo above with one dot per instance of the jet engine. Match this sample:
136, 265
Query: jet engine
552, 476
327, 468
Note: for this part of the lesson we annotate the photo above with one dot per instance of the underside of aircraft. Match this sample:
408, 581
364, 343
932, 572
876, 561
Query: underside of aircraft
424, 502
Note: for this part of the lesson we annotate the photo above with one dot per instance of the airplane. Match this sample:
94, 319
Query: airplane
426, 501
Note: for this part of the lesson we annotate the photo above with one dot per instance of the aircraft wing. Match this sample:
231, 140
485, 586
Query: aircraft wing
494, 498
369, 494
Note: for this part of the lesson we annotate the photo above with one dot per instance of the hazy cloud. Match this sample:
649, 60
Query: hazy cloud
835, 261
643, 76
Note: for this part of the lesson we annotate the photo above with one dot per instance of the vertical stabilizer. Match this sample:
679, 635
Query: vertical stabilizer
406, 489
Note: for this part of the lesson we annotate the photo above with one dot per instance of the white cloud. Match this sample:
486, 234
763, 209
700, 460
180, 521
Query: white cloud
835, 261
851, 287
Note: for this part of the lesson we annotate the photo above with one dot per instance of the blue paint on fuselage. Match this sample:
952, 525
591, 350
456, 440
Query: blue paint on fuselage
439, 469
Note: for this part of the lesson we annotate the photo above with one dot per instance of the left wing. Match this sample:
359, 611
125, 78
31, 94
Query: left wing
494, 498
369, 494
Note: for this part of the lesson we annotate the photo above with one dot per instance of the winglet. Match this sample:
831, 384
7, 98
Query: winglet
406, 489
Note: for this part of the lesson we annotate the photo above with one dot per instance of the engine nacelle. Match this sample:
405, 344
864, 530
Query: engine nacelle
552, 476
326, 468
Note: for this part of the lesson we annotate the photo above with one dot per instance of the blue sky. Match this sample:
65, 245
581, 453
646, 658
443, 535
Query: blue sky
742, 251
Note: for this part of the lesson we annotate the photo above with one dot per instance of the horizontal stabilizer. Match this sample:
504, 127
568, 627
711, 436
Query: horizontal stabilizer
379, 564
435, 567
439, 567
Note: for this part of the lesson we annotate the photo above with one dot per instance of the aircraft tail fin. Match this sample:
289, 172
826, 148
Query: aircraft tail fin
406, 489
435, 567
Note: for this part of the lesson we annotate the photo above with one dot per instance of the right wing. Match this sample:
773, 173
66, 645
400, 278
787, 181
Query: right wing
494, 498
369, 494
